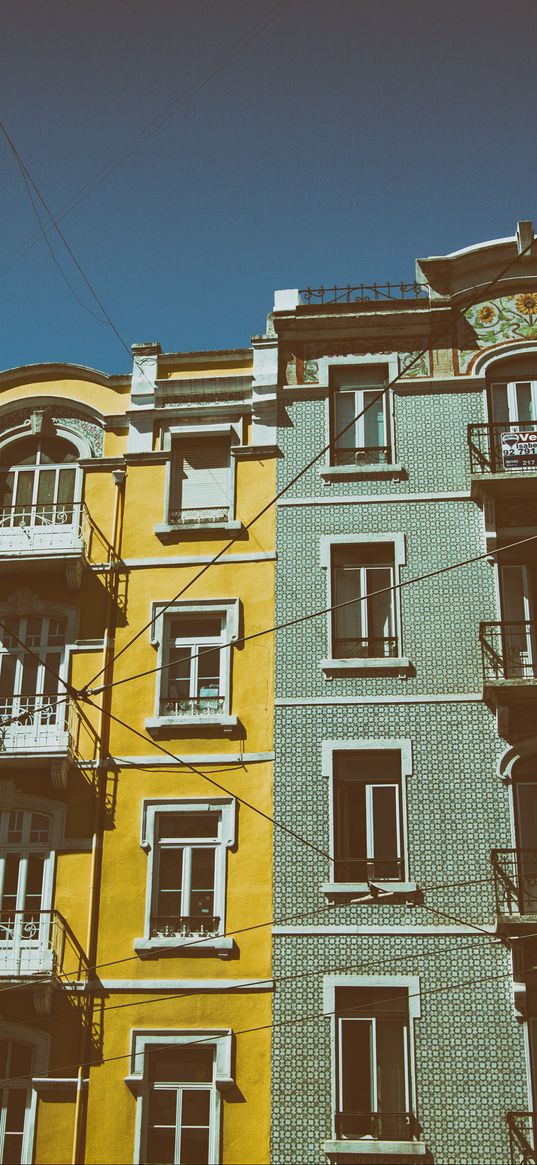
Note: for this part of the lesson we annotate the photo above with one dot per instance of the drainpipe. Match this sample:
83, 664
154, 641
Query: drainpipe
94, 897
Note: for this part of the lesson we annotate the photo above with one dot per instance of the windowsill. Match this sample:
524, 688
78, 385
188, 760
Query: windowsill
165, 530
154, 948
360, 472
160, 725
367, 664
375, 1148
343, 889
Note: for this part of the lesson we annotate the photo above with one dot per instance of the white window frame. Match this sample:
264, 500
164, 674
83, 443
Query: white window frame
161, 615
512, 407
40, 1042
399, 663
410, 983
223, 1080
333, 369
34, 952
177, 434
334, 889
221, 943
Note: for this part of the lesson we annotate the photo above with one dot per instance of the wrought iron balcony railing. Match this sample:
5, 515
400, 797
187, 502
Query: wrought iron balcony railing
515, 881
193, 706
509, 650
39, 943
378, 1126
364, 455
522, 1137
43, 528
37, 723
366, 870
190, 517
365, 293
374, 647
183, 926
503, 447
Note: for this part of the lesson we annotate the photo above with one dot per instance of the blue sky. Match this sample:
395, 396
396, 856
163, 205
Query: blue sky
341, 141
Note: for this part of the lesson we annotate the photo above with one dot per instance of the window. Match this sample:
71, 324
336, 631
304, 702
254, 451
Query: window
37, 482
187, 842
372, 1061
25, 890
358, 408
178, 1078
16, 1134
364, 622
519, 648
368, 839
201, 481
514, 401
27, 687
194, 681
180, 1105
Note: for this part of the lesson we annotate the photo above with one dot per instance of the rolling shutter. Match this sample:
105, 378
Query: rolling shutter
200, 480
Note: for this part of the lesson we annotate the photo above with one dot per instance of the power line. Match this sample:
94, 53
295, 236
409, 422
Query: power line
268, 505
82, 693
152, 126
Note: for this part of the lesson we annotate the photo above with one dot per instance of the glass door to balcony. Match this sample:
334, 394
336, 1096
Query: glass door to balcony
28, 685
24, 891
37, 484
518, 627
526, 836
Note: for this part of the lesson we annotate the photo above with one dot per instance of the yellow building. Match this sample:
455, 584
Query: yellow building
135, 751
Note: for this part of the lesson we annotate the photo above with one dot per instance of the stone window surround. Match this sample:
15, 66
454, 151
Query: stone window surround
230, 610
336, 1148
142, 1039
366, 664
177, 433
221, 944
404, 748
337, 473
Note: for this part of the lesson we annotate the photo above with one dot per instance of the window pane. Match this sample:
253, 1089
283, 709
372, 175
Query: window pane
16, 819
194, 1147
39, 827
196, 1108
161, 1146
6, 489
183, 1063
12, 1154
350, 833
21, 452
16, 1108
177, 680
66, 486
202, 889
55, 451
195, 626
363, 554
21, 1060
163, 1106
524, 402
379, 612
348, 620
45, 488
373, 420
345, 410
208, 673
385, 832
25, 489
186, 825
500, 404
356, 1085
391, 1083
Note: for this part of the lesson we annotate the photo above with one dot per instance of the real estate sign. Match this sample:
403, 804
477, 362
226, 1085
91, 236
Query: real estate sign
519, 450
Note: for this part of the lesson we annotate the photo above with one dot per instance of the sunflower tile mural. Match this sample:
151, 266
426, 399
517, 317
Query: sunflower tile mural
511, 317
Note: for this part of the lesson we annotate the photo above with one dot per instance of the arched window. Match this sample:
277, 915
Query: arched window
37, 481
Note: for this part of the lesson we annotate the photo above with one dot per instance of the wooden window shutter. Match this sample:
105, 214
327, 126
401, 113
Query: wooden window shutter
200, 480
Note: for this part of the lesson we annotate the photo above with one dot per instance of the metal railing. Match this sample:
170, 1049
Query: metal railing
208, 515
37, 722
374, 647
364, 455
509, 650
522, 1128
367, 869
379, 1126
183, 926
40, 529
515, 880
495, 449
365, 292
192, 706
39, 943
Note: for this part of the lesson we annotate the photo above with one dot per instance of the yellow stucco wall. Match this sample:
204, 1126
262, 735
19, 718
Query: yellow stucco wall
120, 884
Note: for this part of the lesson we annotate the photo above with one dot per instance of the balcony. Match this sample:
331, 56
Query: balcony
522, 1128
39, 950
503, 458
515, 885
51, 536
376, 1134
509, 655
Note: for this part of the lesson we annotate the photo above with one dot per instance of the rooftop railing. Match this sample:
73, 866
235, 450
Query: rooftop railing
515, 881
37, 943
365, 293
377, 1126
522, 1137
509, 650
503, 447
